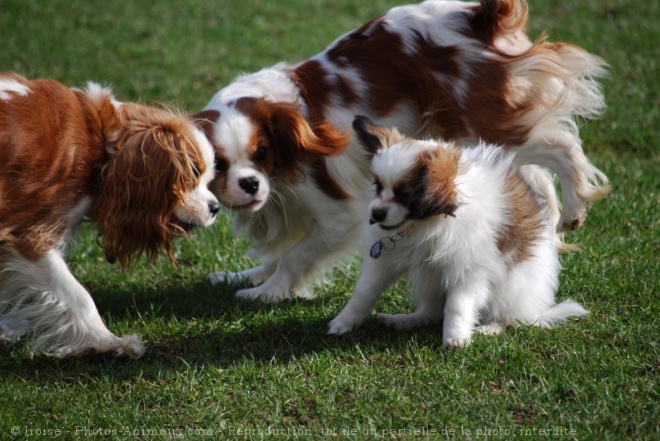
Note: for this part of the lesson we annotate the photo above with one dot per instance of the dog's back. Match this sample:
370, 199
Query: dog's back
50, 145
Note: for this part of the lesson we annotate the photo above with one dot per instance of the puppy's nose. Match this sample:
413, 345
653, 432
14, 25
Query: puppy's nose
214, 208
378, 214
250, 185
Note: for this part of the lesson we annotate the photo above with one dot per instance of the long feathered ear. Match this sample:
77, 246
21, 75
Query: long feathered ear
316, 138
142, 184
295, 140
436, 191
373, 137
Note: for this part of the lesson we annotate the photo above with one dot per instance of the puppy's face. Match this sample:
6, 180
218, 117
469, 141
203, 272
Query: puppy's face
414, 179
397, 171
258, 143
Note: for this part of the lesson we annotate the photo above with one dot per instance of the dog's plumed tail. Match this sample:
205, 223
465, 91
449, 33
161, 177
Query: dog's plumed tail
505, 16
560, 313
554, 87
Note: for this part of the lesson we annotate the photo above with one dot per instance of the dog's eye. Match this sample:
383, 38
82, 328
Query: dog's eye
261, 154
379, 187
221, 165
402, 195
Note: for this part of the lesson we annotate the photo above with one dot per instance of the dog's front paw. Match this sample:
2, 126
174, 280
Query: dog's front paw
222, 277
263, 295
128, 346
218, 278
404, 322
253, 276
492, 328
456, 342
341, 325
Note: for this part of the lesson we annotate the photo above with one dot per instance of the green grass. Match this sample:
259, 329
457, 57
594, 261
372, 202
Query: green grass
215, 363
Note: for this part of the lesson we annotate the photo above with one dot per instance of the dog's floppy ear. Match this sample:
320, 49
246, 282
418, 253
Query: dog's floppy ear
295, 139
373, 137
436, 192
142, 183
291, 129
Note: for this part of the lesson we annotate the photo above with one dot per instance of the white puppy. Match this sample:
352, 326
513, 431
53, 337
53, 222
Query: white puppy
473, 235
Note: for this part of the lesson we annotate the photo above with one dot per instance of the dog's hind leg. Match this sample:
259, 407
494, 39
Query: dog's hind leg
48, 303
581, 183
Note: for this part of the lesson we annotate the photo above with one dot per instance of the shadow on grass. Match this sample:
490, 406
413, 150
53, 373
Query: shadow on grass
209, 326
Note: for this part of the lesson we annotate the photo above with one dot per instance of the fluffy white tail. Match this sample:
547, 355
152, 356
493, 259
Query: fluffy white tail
559, 313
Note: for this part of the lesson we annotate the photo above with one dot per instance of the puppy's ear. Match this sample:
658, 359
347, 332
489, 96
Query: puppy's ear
436, 192
142, 183
373, 137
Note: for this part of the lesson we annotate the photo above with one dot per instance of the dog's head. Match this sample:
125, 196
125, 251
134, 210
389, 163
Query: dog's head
258, 143
414, 179
154, 184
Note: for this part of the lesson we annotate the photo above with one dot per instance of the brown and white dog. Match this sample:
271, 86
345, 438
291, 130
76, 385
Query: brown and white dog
462, 71
140, 173
472, 234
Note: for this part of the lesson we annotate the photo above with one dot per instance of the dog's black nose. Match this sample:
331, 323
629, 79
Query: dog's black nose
214, 207
250, 185
379, 214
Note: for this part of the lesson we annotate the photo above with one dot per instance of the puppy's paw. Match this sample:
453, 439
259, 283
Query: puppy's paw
492, 328
456, 342
400, 322
341, 325
404, 322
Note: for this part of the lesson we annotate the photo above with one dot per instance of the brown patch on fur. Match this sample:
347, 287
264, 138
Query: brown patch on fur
526, 221
394, 77
315, 89
325, 182
346, 92
51, 147
435, 173
292, 139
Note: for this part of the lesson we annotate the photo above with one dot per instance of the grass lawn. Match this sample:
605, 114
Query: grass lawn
219, 368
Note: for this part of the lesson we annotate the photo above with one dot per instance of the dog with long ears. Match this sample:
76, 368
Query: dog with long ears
141, 173
295, 180
473, 236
